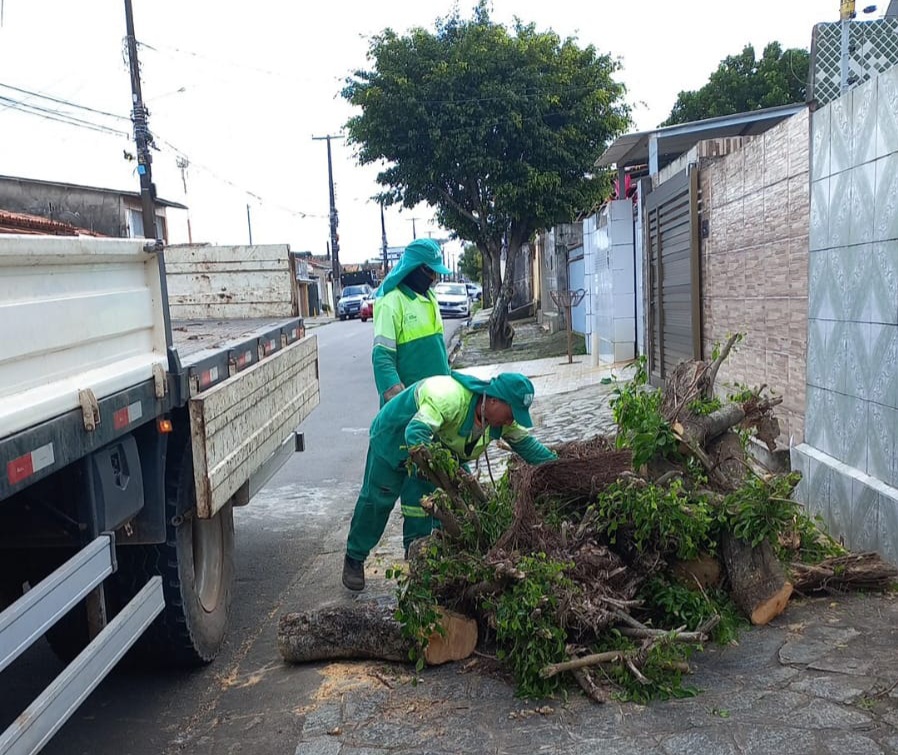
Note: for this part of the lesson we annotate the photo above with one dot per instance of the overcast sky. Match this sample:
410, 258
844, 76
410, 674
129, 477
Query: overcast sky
241, 89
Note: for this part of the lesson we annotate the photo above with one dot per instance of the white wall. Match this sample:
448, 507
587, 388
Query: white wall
611, 276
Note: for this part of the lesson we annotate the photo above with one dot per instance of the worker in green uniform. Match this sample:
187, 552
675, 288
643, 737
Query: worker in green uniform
409, 346
459, 412
408, 329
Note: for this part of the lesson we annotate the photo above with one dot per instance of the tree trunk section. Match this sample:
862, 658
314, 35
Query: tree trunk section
757, 582
368, 631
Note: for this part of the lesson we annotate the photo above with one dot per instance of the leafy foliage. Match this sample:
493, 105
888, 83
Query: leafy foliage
666, 520
470, 263
743, 83
762, 509
497, 129
671, 603
662, 669
528, 633
637, 412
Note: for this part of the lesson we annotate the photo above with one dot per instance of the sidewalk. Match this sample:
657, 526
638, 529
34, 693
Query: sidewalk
822, 678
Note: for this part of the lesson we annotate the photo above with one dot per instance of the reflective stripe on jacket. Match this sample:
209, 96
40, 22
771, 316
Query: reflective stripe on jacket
440, 409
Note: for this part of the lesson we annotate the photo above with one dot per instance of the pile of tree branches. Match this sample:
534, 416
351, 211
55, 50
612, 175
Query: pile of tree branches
614, 563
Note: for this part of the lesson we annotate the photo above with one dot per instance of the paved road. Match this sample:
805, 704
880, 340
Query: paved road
299, 521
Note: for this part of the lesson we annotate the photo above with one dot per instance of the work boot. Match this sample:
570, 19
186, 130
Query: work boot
353, 574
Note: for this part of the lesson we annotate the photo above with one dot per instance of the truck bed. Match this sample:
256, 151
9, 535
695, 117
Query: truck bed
196, 340
251, 381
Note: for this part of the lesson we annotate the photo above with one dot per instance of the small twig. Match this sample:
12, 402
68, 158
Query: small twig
377, 675
635, 671
668, 476
595, 659
663, 634
593, 691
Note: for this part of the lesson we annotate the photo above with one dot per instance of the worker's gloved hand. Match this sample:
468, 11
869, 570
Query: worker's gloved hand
392, 391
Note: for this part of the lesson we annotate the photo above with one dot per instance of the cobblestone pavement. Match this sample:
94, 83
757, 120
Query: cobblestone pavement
821, 679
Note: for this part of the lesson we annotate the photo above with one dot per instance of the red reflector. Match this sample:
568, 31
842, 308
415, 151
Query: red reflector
18, 469
121, 419
27, 464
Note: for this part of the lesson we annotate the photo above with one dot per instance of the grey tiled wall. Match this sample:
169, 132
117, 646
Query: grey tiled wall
851, 417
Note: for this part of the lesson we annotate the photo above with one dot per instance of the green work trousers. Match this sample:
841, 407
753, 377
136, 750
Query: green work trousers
382, 485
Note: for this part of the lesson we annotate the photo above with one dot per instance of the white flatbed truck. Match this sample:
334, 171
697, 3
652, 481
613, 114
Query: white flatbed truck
143, 394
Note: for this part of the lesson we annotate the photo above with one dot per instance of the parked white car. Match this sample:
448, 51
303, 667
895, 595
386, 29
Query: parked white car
452, 299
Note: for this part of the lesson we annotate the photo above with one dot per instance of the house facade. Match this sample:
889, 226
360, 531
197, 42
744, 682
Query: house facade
106, 212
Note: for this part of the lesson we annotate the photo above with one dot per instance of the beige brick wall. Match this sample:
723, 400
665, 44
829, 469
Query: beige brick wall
754, 264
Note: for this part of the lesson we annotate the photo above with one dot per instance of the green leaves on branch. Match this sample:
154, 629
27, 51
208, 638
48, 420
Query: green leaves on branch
528, 632
641, 428
665, 520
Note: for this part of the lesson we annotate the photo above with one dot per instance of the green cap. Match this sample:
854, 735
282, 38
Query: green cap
425, 252
516, 390
419, 252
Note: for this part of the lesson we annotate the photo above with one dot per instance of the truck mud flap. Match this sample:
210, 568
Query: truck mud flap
238, 425
29, 617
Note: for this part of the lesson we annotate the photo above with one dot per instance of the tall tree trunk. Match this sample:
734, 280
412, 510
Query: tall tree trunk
501, 333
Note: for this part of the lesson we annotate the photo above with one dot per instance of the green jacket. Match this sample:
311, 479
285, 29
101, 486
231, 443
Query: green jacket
408, 339
441, 409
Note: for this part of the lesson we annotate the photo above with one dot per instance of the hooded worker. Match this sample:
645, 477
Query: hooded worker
460, 412
408, 329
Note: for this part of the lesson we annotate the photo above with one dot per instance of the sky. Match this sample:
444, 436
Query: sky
245, 91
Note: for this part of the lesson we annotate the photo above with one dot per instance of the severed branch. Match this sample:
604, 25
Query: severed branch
721, 358
445, 517
855, 571
596, 659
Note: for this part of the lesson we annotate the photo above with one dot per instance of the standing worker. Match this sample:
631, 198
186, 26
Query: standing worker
459, 412
409, 346
408, 329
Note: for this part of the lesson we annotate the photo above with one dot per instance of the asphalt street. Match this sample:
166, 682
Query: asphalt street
247, 699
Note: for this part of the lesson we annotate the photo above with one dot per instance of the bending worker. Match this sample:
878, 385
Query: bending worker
461, 412
408, 329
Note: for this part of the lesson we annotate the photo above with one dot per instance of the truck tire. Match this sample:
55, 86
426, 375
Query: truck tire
196, 564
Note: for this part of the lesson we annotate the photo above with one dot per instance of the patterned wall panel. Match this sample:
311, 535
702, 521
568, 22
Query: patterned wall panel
850, 454
873, 49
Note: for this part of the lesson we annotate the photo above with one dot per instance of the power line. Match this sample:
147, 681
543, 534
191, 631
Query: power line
61, 101
160, 49
59, 117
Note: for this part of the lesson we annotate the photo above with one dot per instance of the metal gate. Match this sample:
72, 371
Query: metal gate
672, 275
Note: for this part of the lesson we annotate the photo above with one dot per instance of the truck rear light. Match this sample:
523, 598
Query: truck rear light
164, 425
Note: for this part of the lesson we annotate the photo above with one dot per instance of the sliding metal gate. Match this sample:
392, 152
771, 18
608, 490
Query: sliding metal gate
672, 275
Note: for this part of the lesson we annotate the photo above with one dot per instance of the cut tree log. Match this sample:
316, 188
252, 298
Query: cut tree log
758, 584
368, 630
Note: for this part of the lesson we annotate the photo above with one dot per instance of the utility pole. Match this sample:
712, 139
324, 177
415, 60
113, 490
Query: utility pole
334, 220
383, 237
414, 234
142, 137
249, 225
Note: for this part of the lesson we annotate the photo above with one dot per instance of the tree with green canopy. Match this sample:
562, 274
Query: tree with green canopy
497, 129
743, 83
470, 263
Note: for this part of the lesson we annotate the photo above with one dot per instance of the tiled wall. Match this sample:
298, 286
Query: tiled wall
851, 435
611, 277
754, 263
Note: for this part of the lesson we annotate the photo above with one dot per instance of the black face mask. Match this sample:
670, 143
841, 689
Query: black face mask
419, 279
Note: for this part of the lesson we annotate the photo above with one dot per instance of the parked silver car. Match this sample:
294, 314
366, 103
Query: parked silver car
452, 299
